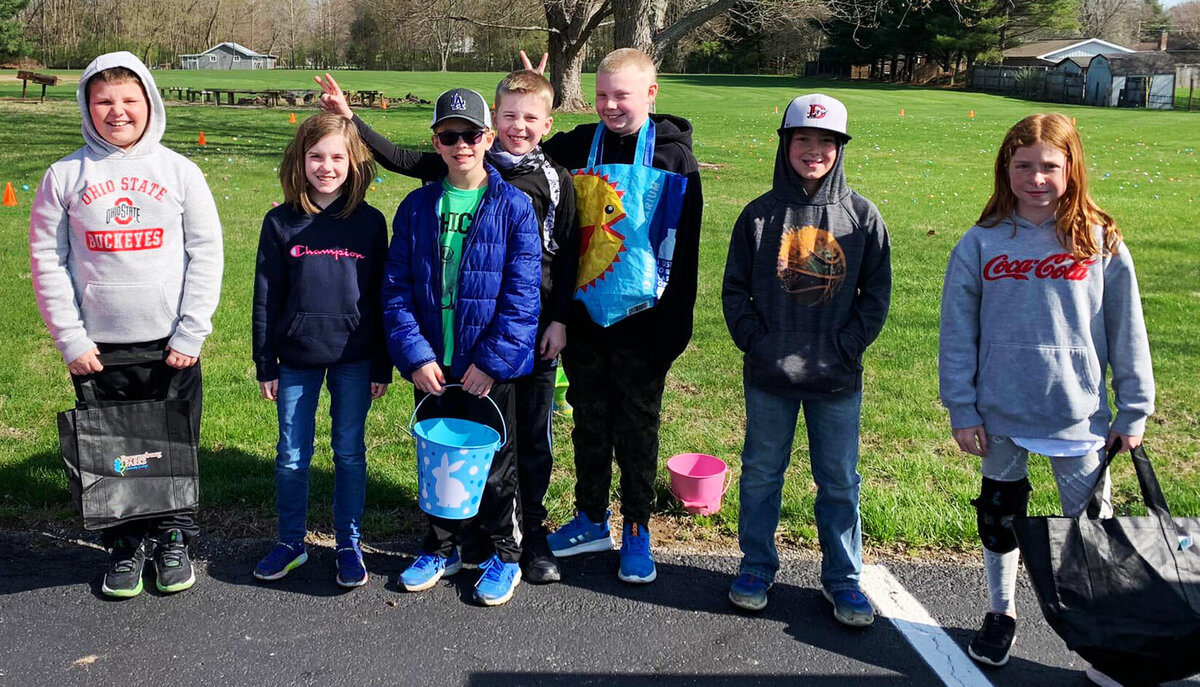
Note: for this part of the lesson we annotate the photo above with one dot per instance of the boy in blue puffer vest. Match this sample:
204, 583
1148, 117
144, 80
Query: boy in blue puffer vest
461, 301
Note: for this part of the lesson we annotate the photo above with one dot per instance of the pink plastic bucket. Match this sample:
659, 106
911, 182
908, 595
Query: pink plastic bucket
699, 481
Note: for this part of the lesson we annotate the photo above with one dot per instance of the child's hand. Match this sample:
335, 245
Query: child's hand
333, 100
973, 440
270, 390
1128, 441
553, 340
378, 390
178, 360
477, 382
86, 364
526, 64
429, 378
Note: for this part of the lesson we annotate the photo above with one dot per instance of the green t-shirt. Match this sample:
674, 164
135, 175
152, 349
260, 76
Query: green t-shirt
456, 209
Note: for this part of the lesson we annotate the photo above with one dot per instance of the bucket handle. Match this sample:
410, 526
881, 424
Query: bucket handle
724, 489
412, 420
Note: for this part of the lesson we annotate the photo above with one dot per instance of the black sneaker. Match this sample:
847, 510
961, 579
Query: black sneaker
172, 566
994, 640
539, 564
124, 577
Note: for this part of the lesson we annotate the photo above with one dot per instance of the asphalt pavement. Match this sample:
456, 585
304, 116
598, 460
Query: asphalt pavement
591, 629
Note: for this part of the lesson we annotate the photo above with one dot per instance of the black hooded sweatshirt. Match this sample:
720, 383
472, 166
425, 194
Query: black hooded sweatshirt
807, 284
664, 330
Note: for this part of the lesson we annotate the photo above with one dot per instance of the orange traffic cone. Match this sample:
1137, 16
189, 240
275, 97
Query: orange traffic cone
292, 118
971, 114
383, 103
202, 142
902, 112
1072, 121
776, 109
10, 195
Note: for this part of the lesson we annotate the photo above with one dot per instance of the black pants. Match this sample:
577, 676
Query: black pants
535, 455
147, 382
616, 394
498, 516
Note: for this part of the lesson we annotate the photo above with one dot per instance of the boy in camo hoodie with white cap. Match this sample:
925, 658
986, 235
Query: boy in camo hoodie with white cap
126, 254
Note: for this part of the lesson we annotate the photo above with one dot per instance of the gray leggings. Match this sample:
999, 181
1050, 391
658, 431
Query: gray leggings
1076, 475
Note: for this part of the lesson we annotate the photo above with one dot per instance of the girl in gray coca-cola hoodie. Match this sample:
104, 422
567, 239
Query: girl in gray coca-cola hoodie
126, 256
1039, 304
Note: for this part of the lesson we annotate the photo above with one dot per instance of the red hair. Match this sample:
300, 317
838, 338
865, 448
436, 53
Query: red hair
1076, 212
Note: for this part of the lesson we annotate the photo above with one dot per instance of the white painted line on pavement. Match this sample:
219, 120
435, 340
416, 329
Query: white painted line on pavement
924, 633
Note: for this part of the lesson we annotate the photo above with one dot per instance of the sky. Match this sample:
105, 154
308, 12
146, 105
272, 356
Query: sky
1170, 3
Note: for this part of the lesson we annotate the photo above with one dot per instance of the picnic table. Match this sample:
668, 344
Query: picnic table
43, 79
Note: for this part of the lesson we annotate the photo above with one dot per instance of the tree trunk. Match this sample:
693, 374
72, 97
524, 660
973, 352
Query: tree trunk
566, 68
635, 23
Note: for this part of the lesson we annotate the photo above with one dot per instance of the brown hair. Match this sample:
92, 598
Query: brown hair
1076, 212
308, 134
525, 82
114, 75
621, 58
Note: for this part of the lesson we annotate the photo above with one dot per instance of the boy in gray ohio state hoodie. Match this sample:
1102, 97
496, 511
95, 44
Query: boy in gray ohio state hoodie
807, 287
126, 254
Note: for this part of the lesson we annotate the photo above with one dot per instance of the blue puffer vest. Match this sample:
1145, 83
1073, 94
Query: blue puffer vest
499, 281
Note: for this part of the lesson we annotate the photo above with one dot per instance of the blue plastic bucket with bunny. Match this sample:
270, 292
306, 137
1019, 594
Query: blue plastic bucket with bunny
453, 460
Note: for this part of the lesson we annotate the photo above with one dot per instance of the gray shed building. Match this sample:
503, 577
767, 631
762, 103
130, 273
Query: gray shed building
227, 56
1142, 79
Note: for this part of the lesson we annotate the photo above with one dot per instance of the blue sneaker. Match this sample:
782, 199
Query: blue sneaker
749, 592
428, 569
581, 535
498, 582
351, 571
283, 559
637, 565
851, 607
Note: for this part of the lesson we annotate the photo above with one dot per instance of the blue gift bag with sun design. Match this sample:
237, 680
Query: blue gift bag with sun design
628, 216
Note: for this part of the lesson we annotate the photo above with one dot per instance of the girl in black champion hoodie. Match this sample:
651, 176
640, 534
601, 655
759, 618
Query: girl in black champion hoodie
318, 318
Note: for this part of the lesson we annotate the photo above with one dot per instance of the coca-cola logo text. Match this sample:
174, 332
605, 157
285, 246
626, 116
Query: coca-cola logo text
1057, 266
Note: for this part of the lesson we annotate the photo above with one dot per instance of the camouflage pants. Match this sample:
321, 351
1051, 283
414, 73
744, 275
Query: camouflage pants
616, 395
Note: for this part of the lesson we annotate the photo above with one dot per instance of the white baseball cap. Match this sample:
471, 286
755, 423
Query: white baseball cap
816, 111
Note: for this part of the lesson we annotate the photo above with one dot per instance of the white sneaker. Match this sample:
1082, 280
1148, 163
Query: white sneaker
1098, 678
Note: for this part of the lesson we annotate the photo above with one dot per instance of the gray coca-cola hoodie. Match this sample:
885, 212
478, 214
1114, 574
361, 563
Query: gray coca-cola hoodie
125, 245
807, 284
1028, 336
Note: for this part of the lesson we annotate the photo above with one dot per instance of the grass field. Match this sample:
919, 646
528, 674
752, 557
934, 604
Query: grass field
928, 172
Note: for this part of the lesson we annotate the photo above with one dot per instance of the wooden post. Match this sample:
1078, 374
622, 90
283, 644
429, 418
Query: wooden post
1191, 91
24, 83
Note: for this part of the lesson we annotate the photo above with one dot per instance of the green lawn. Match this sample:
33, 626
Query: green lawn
929, 173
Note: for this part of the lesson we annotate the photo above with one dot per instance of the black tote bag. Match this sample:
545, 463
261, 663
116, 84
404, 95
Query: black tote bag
130, 460
1124, 592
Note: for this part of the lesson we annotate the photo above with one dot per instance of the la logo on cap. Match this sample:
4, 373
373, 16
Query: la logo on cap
816, 111
457, 102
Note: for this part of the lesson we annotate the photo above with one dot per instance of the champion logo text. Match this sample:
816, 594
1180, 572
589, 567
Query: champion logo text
1057, 266
335, 253
124, 240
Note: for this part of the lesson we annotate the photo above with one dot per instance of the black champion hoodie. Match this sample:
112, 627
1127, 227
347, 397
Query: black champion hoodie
807, 284
664, 330
316, 290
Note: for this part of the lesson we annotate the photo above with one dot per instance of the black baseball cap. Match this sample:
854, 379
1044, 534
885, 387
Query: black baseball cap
462, 103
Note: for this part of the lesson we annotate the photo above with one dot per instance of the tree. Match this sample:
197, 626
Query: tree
12, 31
1185, 19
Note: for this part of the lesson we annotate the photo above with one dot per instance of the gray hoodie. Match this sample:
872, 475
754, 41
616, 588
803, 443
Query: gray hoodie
807, 284
1027, 337
125, 245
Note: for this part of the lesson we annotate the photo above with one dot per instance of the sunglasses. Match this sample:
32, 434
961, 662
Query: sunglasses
449, 138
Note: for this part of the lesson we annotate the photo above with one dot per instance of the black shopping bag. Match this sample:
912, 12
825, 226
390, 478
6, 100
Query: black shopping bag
130, 460
1123, 593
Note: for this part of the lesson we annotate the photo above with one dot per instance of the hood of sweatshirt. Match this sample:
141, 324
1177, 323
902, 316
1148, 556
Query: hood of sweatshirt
158, 113
788, 186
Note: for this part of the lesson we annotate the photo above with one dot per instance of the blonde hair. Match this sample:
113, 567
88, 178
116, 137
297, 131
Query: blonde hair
308, 134
1076, 212
622, 58
526, 82
114, 75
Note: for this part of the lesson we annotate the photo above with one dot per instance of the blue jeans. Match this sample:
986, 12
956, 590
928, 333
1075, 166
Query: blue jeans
349, 400
833, 449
